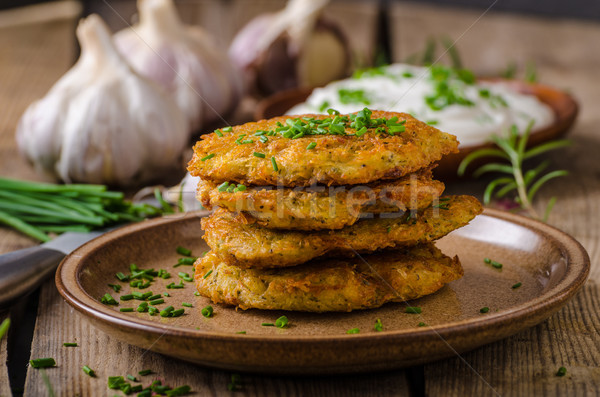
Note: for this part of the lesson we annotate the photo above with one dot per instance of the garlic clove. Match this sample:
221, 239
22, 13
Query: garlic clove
184, 60
101, 122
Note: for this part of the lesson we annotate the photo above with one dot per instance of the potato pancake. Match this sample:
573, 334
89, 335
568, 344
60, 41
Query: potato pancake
322, 207
331, 285
240, 241
318, 149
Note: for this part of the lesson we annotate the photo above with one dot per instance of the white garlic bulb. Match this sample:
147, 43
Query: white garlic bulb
102, 122
182, 59
294, 47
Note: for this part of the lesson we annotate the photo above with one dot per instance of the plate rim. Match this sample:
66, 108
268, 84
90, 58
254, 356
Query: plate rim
547, 302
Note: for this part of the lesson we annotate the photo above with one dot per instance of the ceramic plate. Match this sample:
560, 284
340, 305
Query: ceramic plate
551, 266
564, 106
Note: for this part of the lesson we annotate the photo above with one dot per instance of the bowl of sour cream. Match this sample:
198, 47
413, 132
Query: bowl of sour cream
452, 100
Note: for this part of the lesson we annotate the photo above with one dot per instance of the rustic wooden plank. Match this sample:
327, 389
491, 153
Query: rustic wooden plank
4, 380
58, 323
526, 364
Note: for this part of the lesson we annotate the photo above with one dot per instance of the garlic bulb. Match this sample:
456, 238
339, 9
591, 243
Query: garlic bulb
101, 122
182, 59
294, 47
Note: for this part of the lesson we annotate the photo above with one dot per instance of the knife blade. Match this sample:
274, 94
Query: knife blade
22, 271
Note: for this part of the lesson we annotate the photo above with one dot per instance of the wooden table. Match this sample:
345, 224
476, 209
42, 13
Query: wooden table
34, 55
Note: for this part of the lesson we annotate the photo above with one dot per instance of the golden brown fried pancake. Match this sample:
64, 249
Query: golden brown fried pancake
242, 242
323, 207
335, 160
339, 285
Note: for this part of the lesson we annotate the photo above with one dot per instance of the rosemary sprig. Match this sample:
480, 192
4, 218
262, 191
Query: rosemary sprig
525, 184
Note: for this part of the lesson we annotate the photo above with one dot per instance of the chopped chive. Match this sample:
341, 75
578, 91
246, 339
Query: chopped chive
484, 309
89, 371
207, 311
261, 155
122, 277
115, 287
378, 325
42, 362
228, 129
517, 285
176, 286
186, 261
413, 310
136, 283
268, 324
153, 297
562, 371
208, 273
264, 139
196, 293
219, 133
497, 265
274, 163
177, 313
127, 297
247, 141
132, 378
166, 312
157, 301
487, 260
311, 146
153, 310
207, 157
145, 372
142, 308
281, 322
114, 382
70, 344
421, 324
166, 294
183, 251
241, 332
223, 186
107, 299
353, 331
126, 309
186, 304
186, 277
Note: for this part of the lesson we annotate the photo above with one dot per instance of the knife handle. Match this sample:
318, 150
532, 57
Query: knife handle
24, 270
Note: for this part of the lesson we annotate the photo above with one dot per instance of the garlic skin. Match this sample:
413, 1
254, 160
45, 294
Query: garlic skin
185, 192
101, 122
294, 47
184, 60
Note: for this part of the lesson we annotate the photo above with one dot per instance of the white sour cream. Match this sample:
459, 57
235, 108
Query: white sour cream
494, 106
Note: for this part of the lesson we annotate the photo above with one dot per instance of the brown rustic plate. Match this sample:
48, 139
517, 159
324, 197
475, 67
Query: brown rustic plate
551, 266
564, 106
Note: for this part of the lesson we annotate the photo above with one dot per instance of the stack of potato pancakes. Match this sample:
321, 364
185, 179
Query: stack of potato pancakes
325, 213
